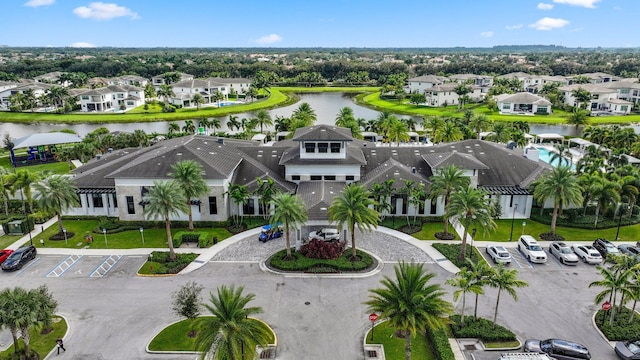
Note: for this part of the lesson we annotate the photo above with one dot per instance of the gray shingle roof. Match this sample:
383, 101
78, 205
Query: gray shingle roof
392, 169
523, 98
318, 196
292, 157
463, 161
322, 132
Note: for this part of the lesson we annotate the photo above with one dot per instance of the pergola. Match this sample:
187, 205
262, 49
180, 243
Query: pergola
540, 138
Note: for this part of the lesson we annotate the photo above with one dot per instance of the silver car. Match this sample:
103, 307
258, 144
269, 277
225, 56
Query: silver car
499, 254
588, 254
564, 253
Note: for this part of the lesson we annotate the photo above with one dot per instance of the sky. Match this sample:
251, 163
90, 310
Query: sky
320, 23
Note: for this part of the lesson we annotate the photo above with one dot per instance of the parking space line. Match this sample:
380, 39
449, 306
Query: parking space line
28, 266
524, 260
108, 263
65, 265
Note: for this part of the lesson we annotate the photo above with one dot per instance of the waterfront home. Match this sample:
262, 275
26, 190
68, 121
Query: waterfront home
523, 103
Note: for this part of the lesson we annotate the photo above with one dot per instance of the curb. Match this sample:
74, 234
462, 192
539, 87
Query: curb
63, 336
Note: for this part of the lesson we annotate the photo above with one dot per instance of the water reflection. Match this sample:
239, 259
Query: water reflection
325, 105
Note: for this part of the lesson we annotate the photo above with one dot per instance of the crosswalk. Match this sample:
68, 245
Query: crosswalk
106, 266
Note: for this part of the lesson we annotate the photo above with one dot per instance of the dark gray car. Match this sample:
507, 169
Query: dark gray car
558, 349
18, 258
628, 350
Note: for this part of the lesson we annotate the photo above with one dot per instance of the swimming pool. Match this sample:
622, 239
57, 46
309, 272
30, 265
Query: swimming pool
545, 155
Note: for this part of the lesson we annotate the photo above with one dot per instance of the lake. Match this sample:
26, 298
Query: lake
326, 106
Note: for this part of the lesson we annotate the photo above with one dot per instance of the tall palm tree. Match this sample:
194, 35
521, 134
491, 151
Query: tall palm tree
240, 195
561, 185
30, 99
444, 183
481, 273
173, 128
56, 194
605, 193
344, 116
582, 97
304, 114
578, 117
290, 212
22, 180
448, 132
215, 124
507, 280
612, 281
473, 208
190, 176
480, 123
165, 91
501, 132
410, 302
231, 333
58, 94
266, 191
465, 282
165, 198
352, 207
233, 123
562, 155
398, 131
263, 118
5, 189
461, 90
189, 127
198, 100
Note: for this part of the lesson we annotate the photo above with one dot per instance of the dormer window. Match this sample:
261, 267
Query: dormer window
310, 147
323, 147
335, 148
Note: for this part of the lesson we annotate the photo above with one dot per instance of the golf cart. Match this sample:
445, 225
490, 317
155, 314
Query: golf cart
270, 233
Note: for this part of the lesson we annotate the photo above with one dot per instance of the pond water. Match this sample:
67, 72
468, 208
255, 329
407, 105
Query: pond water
325, 105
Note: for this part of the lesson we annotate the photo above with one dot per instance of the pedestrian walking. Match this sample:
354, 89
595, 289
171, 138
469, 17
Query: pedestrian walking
60, 345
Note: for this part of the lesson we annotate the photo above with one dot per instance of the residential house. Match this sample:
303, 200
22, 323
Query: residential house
484, 82
523, 103
185, 89
133, 80
600, 96
443, 95
110, 98
159, 79
52, 78
418, 85
234, 85
627, 90
536, 83
39, 89
316, 164
595, 78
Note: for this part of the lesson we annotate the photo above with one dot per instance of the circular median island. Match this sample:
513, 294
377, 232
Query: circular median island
322, 257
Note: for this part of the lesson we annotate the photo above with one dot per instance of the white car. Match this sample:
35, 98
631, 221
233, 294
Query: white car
499, 254
563, 252
325, 235
531, 250
588, 254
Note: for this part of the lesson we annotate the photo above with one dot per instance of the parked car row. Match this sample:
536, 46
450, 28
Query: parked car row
15, 260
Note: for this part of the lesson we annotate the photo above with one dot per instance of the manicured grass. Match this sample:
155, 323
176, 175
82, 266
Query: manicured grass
558, 117
429, 229
6, 240
501, 344
130, 239
58, 167
300, 263
161, 265
42, 344
394, 346
621, 329
175, 337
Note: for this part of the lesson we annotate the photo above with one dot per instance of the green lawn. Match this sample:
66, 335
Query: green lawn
394, 346
42, 344
374, 101
55, 167
175, 338
130, 239
6, 240
429, 229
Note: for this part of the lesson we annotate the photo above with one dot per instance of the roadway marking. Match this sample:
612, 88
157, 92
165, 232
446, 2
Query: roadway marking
65, 265
28, 266
525, 260
108, 263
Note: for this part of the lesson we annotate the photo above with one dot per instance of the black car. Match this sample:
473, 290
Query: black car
628, 350
605, 247
18, 258
557, 349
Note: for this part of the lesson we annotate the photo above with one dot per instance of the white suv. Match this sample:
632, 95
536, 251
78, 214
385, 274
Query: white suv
325, 234
531, 249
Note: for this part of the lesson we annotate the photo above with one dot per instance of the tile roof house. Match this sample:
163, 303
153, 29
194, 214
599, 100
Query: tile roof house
603, 98
441, 95
316, 164
523, 103
421, 83
110, 98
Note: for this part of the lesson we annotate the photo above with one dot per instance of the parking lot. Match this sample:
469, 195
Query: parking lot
78, 266
518, 261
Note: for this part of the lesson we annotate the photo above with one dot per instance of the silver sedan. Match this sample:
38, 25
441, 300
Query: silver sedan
564, 253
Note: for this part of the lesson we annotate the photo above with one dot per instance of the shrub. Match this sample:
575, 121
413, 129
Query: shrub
317, 249
452, 251
480, 328
444, 236
304, 264
170, 267
621, 329
549, 236
440, 343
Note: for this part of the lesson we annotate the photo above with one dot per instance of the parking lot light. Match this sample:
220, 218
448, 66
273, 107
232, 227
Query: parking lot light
513, 218
142, 234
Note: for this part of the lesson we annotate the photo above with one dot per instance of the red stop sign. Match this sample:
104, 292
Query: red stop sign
606, 306
373, 317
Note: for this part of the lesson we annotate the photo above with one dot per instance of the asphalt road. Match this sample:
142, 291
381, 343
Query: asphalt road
116, 316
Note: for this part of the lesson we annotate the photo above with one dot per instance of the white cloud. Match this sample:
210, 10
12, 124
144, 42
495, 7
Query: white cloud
543, 6
513, 27
269, 39
548, 23
81, 44
36, 3
582, 3
486, 34
103, 11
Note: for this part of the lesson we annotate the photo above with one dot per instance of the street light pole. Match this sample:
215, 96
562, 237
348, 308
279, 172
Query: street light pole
104, 231
619, 222
524, 223
513, 218
142, 234
64, 230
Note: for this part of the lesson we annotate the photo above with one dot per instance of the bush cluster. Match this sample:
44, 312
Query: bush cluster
304, 264
440, 343
170, 267
452, 251
549, 236
575, 218
317, 249
621, 329
480, 328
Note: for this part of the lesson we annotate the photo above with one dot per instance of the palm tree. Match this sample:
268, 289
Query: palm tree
165, 198
582, 97
472, 207
605, 193
173, 128
189, 127
252, 92
480, 123
217, 96
344, 116
465, 282
352, 207
561, 155
481, 273
215, 124
398, 131
282, 123
58, 94
507, 280
415, 198
263, 118
612, 281
233, 123
30, 99
578, 117
448, 132
304, 114
166, 92
561, 185
198, 100
501, 132
410, 303
190, 176
444, 183
22, 180
231, 330
5, 189
462, 90
266, 191
290, 212
239, 194
56, 194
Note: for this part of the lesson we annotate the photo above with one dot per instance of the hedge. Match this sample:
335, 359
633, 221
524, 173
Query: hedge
301, 263
480, 328
440, 343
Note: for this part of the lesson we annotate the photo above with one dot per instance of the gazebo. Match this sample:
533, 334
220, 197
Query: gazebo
41, 147
552, 138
